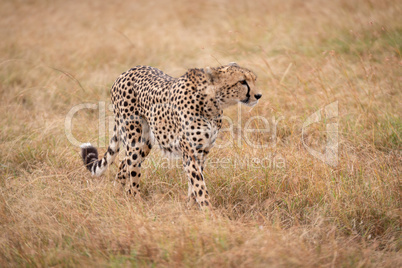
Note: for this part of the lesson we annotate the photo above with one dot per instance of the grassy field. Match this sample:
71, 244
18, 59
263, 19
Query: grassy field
276, 206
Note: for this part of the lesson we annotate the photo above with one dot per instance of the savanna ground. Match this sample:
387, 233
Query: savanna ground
274, 206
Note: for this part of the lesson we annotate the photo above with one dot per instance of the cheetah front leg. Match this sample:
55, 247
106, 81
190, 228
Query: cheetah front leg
197, 189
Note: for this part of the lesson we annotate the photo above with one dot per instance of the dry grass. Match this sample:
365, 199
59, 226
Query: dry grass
57, 54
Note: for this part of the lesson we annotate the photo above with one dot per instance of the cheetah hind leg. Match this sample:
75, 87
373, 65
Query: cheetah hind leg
191, 201
137, 149
121, 176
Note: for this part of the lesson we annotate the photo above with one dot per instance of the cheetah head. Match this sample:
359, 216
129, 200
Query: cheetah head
234, 84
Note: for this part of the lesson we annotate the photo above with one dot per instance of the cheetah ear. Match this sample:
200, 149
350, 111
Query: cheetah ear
233, 64
212, 74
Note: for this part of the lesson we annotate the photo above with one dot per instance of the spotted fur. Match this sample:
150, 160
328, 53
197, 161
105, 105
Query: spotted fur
181, 115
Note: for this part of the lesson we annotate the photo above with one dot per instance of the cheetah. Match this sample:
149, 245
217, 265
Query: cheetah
181, 115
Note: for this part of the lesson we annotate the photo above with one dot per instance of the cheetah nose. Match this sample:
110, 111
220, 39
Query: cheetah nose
257, 96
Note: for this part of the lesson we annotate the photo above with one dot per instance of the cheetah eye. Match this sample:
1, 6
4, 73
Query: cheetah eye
243, 82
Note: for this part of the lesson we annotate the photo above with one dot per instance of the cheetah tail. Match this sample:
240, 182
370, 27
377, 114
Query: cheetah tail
90, 157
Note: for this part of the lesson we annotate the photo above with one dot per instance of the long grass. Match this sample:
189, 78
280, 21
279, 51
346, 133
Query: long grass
276, 206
